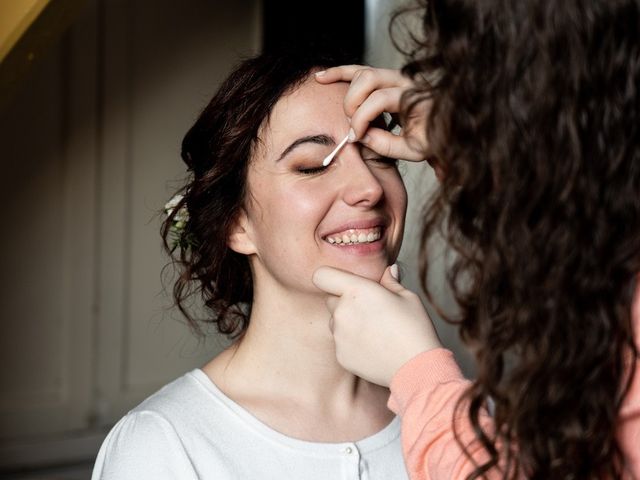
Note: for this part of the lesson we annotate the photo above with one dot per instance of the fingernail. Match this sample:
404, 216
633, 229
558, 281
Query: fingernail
321, 73
394, 271
352, 135
365, 139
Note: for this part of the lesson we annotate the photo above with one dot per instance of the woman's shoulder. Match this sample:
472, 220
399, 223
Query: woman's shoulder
157, 433
170, 400
141, 429
187, 404
143, 444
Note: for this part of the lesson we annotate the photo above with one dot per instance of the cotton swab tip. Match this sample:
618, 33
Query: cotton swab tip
329, 157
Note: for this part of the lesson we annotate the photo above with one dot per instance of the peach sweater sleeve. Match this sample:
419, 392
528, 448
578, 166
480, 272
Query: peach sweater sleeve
424, 393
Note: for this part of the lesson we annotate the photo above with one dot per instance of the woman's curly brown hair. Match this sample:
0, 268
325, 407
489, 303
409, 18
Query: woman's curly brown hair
535, 121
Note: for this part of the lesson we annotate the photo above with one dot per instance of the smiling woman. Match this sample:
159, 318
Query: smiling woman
263, 215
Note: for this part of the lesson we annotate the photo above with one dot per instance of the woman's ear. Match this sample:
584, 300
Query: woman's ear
240, 235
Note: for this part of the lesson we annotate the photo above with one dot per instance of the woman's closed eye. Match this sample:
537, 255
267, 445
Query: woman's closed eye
311, 169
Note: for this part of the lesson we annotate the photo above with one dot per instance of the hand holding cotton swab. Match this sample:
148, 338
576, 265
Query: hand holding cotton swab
329, 157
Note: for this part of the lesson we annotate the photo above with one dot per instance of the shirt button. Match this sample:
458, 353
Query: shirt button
348, 450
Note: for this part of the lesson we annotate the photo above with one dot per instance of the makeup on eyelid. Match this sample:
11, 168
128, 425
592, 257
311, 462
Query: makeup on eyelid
313, 168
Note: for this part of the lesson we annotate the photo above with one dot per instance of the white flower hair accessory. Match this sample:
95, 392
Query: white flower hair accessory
178, 223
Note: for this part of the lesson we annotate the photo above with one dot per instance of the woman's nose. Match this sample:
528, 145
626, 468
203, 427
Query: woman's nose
361, 187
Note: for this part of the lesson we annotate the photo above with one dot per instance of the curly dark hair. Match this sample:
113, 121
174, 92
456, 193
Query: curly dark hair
218, 150
534, 120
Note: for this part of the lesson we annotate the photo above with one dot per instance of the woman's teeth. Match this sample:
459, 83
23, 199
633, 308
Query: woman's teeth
354, 236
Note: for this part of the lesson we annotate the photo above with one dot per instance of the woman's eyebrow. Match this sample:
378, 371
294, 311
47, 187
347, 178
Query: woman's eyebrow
318, 139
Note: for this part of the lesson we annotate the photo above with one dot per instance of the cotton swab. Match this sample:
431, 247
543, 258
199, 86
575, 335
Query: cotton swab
329, 157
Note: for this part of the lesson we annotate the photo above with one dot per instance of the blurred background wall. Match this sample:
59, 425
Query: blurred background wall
96, 96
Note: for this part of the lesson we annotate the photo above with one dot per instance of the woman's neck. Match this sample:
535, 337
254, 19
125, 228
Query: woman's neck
284, 368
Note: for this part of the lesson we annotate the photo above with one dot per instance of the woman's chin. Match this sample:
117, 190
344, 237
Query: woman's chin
372, 271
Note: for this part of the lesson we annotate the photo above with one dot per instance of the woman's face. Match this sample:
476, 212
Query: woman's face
299, 215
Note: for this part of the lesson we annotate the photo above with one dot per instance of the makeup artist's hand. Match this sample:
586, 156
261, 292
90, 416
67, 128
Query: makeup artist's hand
377, 327
373, 91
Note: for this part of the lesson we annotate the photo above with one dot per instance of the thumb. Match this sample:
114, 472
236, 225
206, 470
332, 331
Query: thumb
335, 281
391, 279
